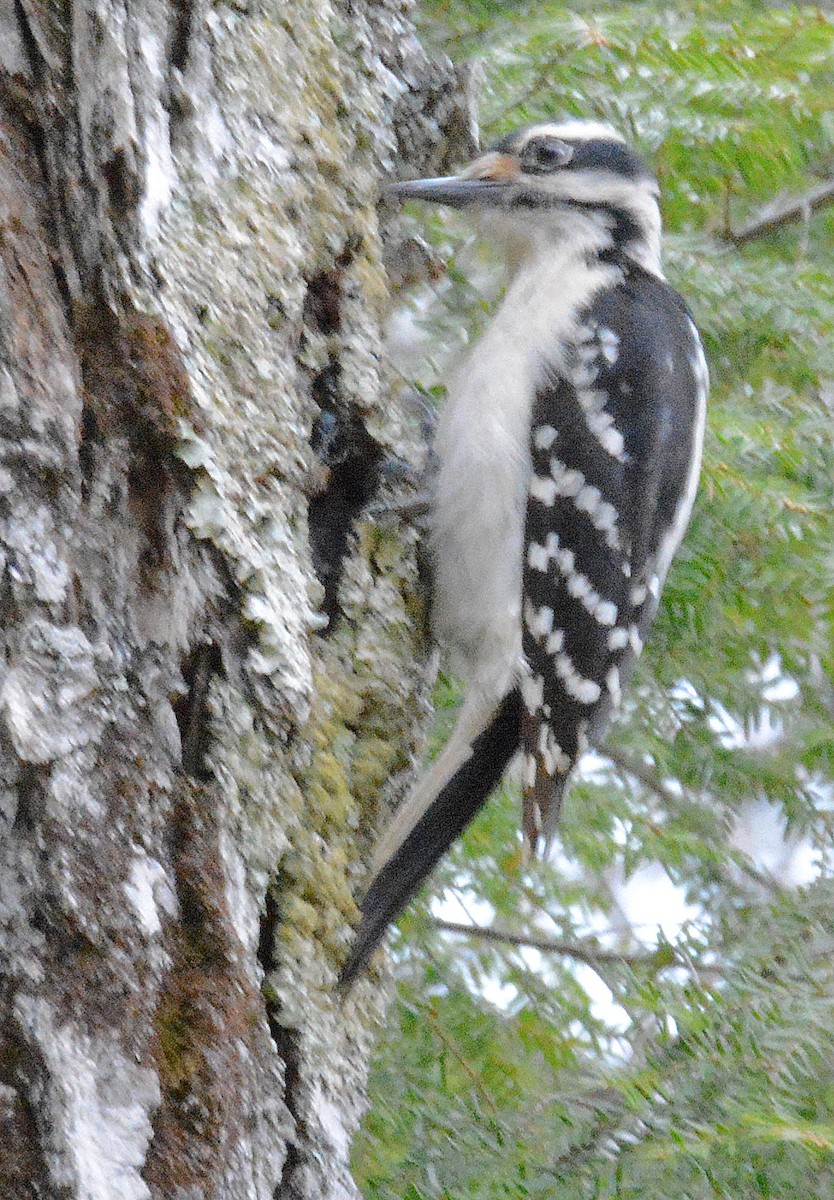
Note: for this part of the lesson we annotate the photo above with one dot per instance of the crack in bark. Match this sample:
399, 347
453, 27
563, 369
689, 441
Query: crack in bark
23, 1172
183, 20
348, 457
192, 710
38, 138
31, 782
286, 1043
352, 459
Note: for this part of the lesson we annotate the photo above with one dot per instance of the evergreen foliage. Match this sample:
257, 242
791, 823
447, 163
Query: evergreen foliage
686, 1049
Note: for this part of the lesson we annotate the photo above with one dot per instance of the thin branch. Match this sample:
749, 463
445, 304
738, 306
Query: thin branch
587, 952
783, 211
431, 1017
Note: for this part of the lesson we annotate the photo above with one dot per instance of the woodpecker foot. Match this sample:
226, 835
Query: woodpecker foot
414, 508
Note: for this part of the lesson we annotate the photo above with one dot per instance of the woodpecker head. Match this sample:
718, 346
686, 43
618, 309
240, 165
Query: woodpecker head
574, 182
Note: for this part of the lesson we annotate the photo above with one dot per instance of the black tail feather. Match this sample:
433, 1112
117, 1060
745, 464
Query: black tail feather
455, 806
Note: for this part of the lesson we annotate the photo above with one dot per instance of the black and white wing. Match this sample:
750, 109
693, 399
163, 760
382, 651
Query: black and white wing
616, 443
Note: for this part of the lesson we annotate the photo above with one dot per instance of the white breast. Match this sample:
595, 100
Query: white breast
484, 466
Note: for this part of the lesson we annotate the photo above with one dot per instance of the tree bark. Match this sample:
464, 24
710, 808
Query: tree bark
211, 679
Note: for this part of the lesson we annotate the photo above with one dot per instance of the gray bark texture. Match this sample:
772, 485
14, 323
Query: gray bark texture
211, 679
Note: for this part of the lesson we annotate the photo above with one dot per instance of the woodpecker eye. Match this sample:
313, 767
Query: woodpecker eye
545, 154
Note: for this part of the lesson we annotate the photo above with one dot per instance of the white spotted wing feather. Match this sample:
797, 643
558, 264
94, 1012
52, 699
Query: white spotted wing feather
615, 455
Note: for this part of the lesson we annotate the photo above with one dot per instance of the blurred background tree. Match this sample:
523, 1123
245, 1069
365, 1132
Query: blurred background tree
652, 1012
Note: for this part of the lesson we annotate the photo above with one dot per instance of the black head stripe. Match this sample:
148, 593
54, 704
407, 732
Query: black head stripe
600, 155
625, 232
590, 154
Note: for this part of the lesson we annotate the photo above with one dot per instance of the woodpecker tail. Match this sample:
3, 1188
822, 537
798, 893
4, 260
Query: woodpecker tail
440, 808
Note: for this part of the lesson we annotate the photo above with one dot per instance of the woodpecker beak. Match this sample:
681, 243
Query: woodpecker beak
486, 181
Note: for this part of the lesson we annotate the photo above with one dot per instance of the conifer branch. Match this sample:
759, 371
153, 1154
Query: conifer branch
783, 211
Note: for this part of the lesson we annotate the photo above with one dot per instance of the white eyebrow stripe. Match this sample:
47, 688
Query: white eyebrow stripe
574, 131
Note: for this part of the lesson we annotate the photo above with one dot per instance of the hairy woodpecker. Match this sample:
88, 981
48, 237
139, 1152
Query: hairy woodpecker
568, 458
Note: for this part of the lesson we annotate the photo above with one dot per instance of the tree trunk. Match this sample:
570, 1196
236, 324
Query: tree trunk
210, 673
